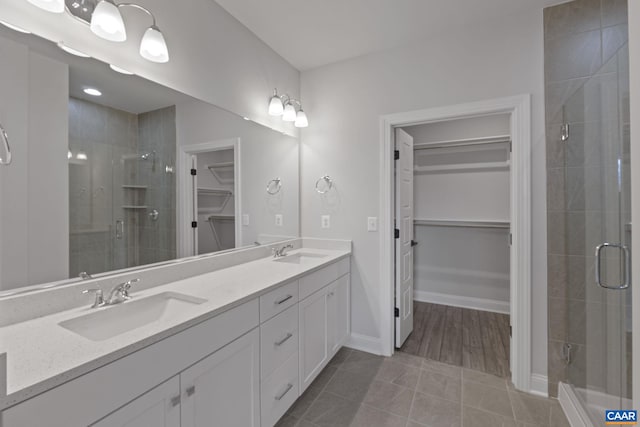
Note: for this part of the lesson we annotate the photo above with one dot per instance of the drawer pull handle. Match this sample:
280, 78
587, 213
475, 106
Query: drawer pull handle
191, 391
175, 401
285, 299
283, 340
286, 390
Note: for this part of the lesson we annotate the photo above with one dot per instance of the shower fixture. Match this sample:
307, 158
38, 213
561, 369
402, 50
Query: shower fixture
146, 156
105, 20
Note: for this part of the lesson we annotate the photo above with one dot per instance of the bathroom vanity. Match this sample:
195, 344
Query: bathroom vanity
237, 345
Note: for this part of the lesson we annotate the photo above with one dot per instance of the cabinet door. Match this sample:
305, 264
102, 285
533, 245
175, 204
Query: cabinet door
314, 336
339, 317
157, 407
224, 388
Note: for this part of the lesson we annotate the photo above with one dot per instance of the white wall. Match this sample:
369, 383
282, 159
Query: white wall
264, 155
488, 60
212, 56
634, 64
34, 206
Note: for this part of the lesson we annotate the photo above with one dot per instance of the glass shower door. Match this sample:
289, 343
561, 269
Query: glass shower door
598, 239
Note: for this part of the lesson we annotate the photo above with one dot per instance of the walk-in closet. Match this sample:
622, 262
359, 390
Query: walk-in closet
461, 254
214, 201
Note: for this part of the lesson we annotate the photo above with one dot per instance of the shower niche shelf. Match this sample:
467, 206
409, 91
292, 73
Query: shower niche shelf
212, 200
223, 172
134, 187
134, 207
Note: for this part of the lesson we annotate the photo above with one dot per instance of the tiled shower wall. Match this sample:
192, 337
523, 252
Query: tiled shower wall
580, 37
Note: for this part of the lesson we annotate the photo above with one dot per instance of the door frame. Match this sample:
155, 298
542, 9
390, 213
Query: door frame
185, 236
519, 109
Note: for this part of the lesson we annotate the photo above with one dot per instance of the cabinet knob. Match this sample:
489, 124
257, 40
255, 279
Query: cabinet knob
175, 401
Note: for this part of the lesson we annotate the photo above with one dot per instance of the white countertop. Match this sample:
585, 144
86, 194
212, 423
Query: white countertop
41, 354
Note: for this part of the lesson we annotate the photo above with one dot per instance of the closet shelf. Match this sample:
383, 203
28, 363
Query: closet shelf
463, 167
464, 142
212, 200
462, 223
222, 217
223, 172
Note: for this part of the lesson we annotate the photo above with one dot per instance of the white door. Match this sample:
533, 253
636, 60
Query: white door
314, 337
224, 388
404, 241
157, 407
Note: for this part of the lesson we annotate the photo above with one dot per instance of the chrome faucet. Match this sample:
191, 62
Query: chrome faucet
120, 293
99, 301
279, 253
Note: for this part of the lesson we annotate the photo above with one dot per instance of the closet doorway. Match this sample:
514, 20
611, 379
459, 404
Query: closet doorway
458, 259
452, 199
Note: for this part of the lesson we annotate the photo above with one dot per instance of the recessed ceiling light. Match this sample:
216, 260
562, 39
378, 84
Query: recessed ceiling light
246, 118
72, 51
81, 155
120, 70
92, 91
14, 27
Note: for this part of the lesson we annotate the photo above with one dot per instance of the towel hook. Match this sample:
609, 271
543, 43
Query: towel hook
328, 184
5, 142
274, 186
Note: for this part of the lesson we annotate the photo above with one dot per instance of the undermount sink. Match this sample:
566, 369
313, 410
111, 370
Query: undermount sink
300, 258
108, 322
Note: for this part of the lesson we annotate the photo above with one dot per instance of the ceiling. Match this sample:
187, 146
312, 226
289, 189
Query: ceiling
310, 34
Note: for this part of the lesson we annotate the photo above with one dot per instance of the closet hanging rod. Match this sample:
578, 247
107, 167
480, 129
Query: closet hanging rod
463, 142
465, 224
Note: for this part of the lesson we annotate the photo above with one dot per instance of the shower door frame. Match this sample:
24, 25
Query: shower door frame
519, 109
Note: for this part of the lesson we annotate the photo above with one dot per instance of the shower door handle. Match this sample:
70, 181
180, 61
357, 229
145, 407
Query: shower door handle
626, 260
119, 229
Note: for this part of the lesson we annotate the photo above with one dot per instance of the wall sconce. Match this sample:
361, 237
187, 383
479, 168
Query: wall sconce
105, 20
285, 106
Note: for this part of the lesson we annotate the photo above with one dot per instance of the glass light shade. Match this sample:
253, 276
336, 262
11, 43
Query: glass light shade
55, 6
107, 23
15, 27
72, 51
153, 46
289, 114
120, 70
301, 120
275, 106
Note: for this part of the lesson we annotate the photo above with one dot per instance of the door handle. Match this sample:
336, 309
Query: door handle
414, 243
626, 266
119, 229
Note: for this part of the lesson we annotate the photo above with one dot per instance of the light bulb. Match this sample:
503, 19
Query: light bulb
107, 23
153, 46
301, 120
275, 106
289, 114
55, 6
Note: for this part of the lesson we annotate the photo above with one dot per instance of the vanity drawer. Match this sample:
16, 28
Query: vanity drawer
278, 300
317, 280
278, 340
279, 392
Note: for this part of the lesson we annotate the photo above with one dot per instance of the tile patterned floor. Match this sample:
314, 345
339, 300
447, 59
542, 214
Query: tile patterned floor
362, 390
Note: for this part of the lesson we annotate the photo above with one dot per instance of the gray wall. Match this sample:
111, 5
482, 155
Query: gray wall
580, 37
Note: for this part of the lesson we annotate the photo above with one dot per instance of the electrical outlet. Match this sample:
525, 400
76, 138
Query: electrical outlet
278, 220
245, 219
325, 221
372, 223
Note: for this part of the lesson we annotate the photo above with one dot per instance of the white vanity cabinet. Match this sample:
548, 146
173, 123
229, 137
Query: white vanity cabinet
324, 318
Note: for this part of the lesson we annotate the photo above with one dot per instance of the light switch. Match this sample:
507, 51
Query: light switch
325, 221
278, 220
372, 223
245, 219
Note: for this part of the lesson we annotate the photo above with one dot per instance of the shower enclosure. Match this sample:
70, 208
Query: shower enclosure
121, 187
598, 239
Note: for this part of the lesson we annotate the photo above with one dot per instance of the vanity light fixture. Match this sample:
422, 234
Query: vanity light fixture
92, 91
54, 6
106, 22
72, 51
14, 27
285, 106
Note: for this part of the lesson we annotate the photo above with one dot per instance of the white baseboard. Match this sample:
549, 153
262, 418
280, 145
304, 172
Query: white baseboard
539, 385
573, 410
364, 343
461, 301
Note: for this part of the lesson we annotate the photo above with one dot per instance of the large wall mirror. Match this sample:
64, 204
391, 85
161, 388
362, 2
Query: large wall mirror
111, 171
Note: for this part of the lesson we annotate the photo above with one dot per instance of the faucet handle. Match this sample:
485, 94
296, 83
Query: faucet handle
99, 301
127, 285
